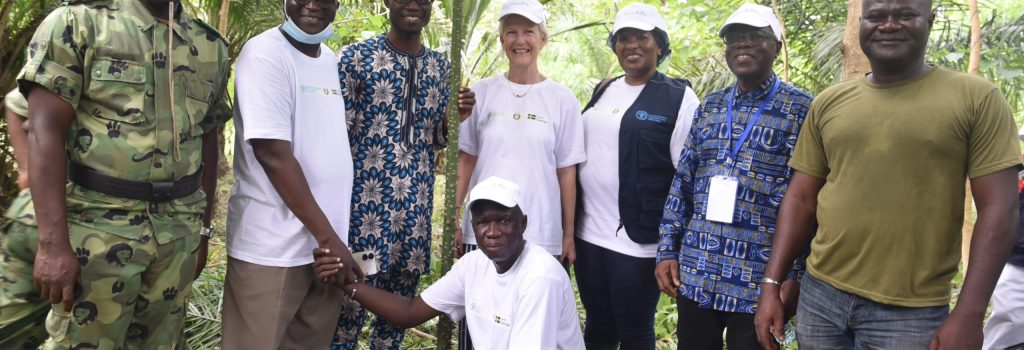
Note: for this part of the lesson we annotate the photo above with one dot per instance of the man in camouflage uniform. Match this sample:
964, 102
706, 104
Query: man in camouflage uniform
22, 311
123, 95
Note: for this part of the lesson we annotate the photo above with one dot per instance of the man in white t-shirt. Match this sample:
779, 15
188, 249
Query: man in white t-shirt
513, 294
292, 191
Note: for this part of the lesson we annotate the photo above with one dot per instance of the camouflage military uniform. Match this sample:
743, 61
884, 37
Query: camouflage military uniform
110, 61
22, 310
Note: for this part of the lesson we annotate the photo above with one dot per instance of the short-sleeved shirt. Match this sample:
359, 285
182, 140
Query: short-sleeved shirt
395, 104
530, 306
15, 102
525, 140
282, 94
110, 61
894, 159
721, 265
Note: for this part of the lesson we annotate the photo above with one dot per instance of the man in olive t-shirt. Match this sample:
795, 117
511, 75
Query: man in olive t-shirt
880, 163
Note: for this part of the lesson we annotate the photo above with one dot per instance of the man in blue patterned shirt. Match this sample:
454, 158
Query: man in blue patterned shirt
396, 93
720, 214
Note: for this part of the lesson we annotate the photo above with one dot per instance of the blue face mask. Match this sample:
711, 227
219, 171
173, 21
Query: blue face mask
301, 36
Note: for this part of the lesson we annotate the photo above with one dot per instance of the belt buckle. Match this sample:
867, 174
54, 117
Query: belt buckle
162, 191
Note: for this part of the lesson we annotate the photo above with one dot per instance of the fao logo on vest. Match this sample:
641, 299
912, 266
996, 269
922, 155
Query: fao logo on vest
643, 115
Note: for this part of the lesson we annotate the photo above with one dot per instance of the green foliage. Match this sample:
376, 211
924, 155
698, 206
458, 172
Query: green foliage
202, 326
1002, 58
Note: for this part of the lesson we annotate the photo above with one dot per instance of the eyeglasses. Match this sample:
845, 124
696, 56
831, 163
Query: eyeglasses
318, 2
757, 36
421, 2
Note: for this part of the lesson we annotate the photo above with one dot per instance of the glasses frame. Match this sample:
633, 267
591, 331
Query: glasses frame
318, 2
418, 2
759, 36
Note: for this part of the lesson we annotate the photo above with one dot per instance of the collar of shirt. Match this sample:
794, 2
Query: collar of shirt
138, 13
758, 92
390, 46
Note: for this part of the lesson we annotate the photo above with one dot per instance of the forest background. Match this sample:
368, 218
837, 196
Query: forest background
820, 50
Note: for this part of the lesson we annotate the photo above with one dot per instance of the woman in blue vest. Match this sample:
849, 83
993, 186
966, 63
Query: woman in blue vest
635, 126
525, 128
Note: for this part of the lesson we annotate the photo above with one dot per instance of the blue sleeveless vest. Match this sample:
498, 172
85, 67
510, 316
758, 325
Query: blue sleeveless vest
645, 156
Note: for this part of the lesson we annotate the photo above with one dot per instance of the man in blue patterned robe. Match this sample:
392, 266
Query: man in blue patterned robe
396, 93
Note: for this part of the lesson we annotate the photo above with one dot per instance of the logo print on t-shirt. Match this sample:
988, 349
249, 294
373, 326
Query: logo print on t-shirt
309, 89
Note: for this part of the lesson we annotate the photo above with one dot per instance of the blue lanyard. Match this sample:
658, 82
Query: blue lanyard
750, 125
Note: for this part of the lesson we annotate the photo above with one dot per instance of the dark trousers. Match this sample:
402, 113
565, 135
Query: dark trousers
701, 329
620, 295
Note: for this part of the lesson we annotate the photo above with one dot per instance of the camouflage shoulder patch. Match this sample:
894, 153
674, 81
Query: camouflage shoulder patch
210, 31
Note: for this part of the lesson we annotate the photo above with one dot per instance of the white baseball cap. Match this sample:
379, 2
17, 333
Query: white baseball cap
754, 15
497, 190
533, 10
639, 16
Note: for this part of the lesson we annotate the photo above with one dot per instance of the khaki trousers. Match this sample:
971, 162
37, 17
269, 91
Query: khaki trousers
268, 307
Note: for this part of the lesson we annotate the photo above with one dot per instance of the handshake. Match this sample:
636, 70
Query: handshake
342, 269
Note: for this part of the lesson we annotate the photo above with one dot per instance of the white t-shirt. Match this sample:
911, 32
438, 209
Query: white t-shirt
525, 140
530, 306
599, 175
282, 94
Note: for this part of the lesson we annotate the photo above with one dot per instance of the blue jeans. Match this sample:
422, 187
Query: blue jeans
620, 295
831, 319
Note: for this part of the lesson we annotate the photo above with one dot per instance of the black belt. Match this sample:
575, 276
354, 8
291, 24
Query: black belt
159, 191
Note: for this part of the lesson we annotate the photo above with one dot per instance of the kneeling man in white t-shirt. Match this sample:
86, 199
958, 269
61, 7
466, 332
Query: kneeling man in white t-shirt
513, 294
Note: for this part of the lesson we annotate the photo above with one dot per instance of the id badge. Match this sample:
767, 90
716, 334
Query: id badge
722, 199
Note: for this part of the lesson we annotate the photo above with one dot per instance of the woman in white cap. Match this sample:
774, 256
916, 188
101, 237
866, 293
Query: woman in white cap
525, 128
635, 126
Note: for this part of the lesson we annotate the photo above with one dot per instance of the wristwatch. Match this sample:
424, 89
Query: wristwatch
207, 232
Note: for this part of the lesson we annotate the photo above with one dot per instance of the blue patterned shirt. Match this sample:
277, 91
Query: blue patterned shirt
395, 105
721, 265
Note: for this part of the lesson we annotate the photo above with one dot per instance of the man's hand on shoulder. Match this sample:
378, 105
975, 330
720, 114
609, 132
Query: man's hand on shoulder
467, 99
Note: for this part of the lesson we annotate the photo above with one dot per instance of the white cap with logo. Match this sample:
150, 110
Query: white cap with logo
754, 15
497, 190
639, 16
533, 10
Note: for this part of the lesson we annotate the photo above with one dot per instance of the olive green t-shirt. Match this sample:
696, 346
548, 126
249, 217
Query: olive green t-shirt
895, 159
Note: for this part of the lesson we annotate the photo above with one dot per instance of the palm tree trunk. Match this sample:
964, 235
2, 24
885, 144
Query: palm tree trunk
222, 22
445, 324
973, 63
855, 64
